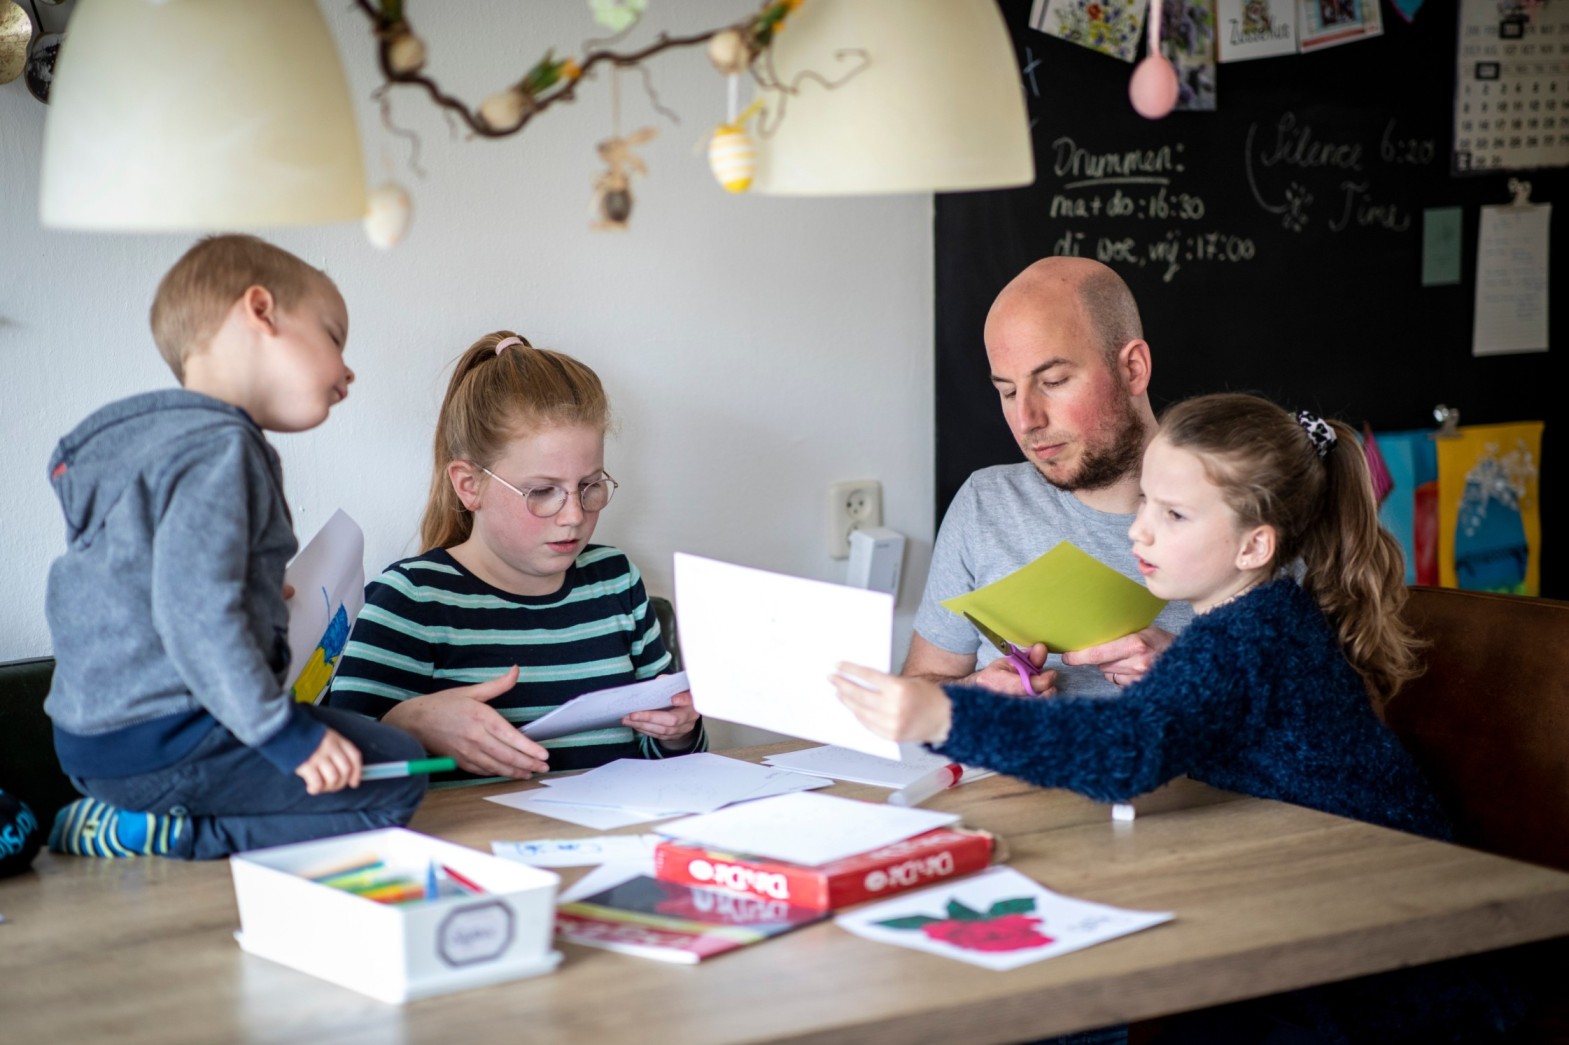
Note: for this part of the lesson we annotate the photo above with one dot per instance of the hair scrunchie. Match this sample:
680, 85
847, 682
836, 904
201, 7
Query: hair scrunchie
509, 341
1318, 432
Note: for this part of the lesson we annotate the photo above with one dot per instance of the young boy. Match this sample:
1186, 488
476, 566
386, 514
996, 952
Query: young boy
167, 610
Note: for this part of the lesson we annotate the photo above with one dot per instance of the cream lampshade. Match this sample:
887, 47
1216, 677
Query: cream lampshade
173, 115
939, 107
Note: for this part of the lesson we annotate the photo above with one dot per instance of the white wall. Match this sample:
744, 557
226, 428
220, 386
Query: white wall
755, 349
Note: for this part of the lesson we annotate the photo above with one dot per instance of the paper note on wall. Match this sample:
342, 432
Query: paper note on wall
328, 576
1511, 280
1440, 246
1066, 599
1255, 29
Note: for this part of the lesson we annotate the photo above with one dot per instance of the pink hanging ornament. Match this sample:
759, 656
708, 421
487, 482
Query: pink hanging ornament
1154, 87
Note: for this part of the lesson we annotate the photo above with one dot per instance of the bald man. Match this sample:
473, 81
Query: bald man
1072, 370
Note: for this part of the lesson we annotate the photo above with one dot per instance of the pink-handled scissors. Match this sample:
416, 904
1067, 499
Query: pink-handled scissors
1019, 658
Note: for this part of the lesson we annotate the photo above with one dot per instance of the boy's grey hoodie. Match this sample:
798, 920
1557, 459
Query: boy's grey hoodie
167, 607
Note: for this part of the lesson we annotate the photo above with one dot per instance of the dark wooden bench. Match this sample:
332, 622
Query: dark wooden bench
28, 767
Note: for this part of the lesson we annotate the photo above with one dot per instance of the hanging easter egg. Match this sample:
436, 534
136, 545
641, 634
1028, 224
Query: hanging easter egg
504, 110
388, 211
405, 53
1154, 87
730, 52
732, 157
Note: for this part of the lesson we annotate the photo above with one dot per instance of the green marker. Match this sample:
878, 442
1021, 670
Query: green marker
389, 770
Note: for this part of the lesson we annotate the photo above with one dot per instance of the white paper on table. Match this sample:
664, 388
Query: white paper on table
697, 783
605, 876
759, 648
1511, 280
606, 707
328, 576
601, 818
1008, 907
860, 768
578, 852
804, 828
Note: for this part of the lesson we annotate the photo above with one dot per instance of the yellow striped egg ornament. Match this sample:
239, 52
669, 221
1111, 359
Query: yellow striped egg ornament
732, 157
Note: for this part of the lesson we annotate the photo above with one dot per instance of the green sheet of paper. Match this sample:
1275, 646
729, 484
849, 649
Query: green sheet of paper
1440, 246
1065, 599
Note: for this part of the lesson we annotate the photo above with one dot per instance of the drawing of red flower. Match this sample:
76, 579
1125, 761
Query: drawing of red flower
1093, 11
1004, 926
1011, 932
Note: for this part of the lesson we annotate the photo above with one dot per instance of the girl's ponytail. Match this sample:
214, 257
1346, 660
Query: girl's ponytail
1356, 571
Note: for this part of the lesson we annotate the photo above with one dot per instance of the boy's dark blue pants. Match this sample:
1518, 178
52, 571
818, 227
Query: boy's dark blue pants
237, 800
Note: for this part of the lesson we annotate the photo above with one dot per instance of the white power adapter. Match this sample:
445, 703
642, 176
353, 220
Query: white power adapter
876, 558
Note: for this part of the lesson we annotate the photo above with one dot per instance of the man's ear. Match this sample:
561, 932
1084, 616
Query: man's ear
260, 309
466, 480
1258, 548
1133, 366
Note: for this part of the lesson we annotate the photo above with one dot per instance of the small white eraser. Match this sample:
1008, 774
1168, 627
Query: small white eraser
1122, 812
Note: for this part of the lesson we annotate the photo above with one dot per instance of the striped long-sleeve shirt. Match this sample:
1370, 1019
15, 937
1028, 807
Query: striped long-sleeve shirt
429, 624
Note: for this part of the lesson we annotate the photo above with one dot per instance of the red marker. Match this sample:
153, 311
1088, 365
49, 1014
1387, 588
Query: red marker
918, 791
467, 883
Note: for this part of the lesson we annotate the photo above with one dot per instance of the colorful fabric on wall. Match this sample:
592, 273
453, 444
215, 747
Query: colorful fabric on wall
1409, 511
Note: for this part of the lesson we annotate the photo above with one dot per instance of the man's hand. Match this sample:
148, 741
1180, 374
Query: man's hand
1124, 661
893, 706
333, 766
935, 664
461, 724
1001, 676
674, 727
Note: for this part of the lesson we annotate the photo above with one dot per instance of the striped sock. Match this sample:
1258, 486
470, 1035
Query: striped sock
88, 827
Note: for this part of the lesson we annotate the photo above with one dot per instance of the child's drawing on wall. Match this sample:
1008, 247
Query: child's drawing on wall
1489, 515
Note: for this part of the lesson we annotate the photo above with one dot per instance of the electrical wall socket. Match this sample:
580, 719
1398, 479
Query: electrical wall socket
852, 506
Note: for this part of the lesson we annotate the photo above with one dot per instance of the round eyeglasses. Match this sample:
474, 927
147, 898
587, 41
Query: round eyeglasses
543, 502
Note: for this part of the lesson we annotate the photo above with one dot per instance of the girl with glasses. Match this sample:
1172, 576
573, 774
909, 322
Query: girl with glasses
512, 611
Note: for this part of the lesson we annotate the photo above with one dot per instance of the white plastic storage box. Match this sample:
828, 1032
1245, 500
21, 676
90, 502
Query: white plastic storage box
396, 952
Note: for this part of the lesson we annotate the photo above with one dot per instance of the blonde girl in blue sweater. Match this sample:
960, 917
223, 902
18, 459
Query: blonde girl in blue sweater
1266, 522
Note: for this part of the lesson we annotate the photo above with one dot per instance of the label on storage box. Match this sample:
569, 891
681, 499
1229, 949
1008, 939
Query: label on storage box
477, 933
925, 858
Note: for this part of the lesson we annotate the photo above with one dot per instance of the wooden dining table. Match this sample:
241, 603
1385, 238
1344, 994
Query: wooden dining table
1267, 897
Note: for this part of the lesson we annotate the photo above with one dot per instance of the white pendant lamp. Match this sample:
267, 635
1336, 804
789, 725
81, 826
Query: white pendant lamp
939, 106
181, 115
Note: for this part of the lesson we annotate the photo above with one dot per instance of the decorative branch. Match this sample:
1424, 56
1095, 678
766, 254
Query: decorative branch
401, 55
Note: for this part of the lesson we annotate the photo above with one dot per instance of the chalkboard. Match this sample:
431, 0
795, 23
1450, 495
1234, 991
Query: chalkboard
1274, 245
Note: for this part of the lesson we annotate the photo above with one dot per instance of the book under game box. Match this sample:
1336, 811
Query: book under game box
672, 922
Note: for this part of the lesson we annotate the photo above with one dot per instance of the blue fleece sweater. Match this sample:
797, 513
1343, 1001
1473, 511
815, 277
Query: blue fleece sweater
1255, 697
167, 607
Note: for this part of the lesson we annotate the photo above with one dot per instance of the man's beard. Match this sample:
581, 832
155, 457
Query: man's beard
1107, 465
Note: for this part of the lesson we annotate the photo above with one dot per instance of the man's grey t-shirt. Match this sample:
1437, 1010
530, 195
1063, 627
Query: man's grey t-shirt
1006, 517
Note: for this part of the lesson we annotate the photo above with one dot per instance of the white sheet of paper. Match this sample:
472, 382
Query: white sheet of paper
1511, 280
600, 818
606, 707
858, 767
578, 852
759, 648
1037, 922
328, 574
697, 783
804, 828
605, 876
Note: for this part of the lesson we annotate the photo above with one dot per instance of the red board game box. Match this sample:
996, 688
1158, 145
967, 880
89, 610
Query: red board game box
945, 852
